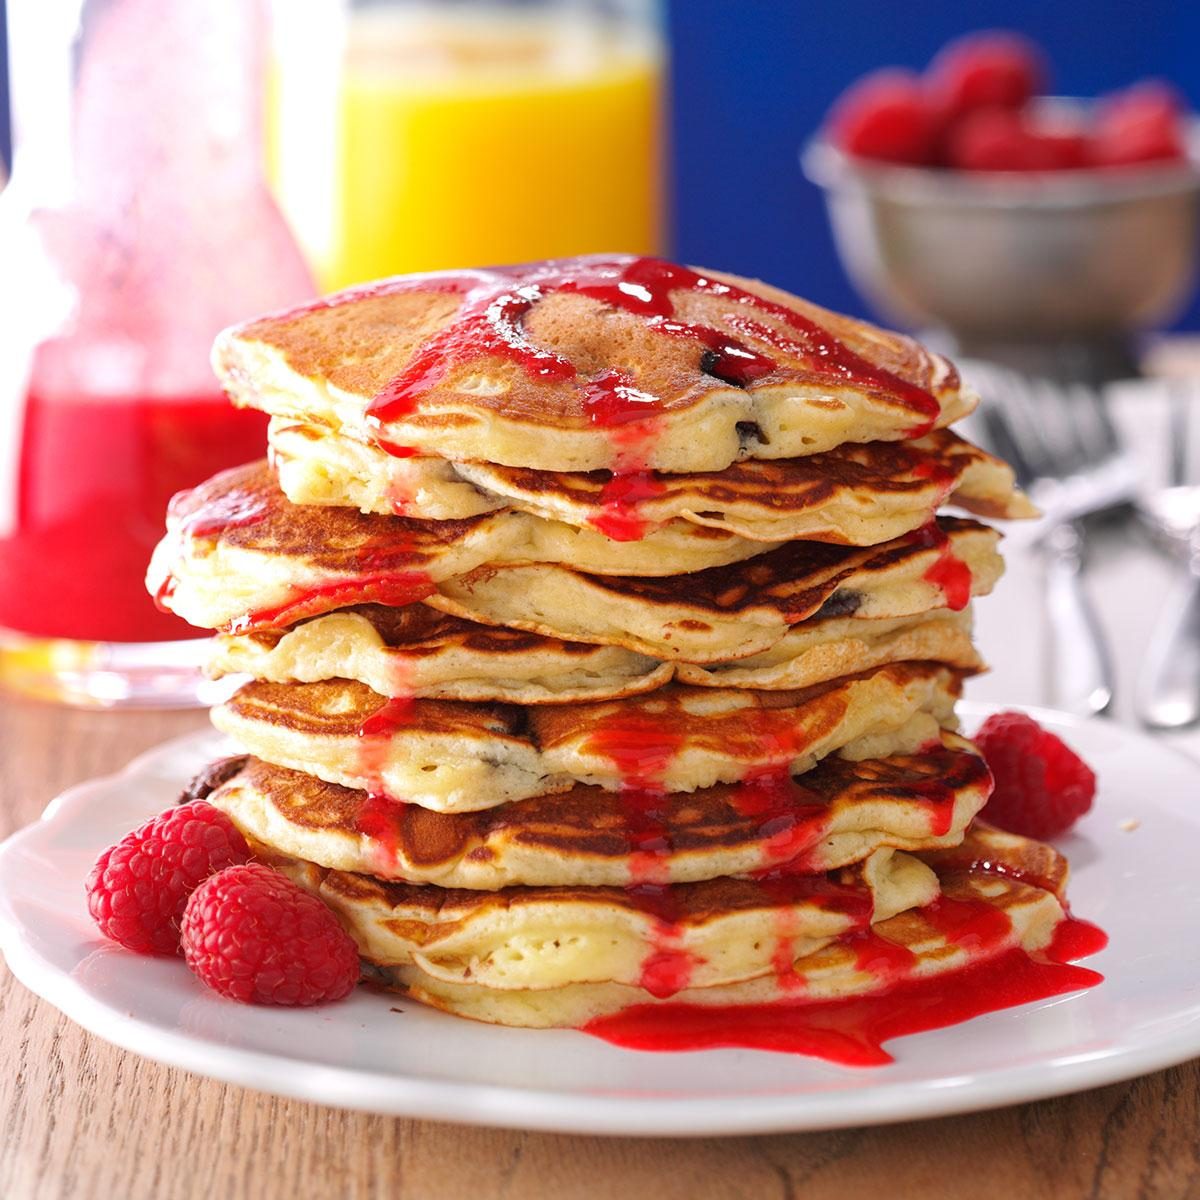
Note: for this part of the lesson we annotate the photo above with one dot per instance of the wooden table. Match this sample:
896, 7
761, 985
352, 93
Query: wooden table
82, 1119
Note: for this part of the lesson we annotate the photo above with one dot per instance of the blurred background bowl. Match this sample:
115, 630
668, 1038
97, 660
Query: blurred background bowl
1018, 267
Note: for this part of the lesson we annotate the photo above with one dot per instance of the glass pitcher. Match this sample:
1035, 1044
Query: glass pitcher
138, 223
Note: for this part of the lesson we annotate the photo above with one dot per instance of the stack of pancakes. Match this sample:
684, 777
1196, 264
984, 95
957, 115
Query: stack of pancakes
604, 640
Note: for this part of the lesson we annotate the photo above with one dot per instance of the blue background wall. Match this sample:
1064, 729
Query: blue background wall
752, 78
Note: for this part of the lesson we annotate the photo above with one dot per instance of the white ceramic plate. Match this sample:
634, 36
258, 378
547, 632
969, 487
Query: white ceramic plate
1140, 884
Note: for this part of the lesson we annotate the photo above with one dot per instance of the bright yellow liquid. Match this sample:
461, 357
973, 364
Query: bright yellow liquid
471, 143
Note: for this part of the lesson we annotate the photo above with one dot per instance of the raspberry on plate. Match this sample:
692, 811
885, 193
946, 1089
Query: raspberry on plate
885, 116
254, 936
138, 888
1042, 786
993, 69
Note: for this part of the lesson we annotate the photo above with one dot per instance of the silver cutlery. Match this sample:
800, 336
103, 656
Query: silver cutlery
1168, 689
1067, 456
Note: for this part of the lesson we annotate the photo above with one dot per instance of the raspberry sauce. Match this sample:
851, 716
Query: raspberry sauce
852, 1032
379, 815
94, 478
948, 573
642, 748
394, 588
633, 422
490, 321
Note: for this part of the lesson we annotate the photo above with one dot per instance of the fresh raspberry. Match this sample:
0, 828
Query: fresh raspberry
1042, 786
997, 139
985, 70
138, 888
885, 116
254, 936
1141, 124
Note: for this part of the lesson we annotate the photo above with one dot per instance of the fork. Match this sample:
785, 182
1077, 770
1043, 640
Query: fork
1168, 692
1066, 454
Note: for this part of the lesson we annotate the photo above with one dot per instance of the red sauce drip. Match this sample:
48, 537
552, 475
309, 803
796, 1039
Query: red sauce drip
388, 718
1075, 939
633, 419
938, 800
877, 955
938, 472
489, 322
93, 476
852, 1032
642, 748
971, 924
620, 499
378, 819
395, 449
793, 819
613, 402
948, 573
231, 510
395, 588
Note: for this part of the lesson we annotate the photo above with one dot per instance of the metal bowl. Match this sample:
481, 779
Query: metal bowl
1072, 256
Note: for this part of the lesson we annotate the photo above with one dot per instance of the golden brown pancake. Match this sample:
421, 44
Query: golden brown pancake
1005, 893
419, 652
736, 611
414, 650
821, 648
456, 757
838, 813
716, 932
854, 495
237, 552
564, 366
835, 971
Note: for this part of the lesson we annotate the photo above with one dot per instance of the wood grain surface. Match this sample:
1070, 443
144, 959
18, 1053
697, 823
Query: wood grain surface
80, 1119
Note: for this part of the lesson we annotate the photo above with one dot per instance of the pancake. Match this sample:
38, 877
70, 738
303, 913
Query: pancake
839, 813
318, 465
417, 651
1026, 918
455, 757
720, 931
735, 611
587, 364
823, 648
1001, 910
854, 495
237, 552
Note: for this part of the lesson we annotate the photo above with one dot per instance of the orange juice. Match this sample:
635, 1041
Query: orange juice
455, 142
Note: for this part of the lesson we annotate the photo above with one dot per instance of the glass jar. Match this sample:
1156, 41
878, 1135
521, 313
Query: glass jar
410, 135
137, 224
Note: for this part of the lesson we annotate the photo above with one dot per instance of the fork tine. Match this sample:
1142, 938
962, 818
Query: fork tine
1179, 405
1028, 415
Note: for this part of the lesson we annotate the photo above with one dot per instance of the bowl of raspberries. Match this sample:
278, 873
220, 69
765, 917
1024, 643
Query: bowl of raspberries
968, 198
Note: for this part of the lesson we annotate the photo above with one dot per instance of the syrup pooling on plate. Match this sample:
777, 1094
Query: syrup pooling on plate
490, 321
852, 1032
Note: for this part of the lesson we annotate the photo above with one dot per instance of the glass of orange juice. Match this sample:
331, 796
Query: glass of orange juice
410, 135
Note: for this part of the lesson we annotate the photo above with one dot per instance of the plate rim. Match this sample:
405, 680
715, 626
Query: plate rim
583, 1112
